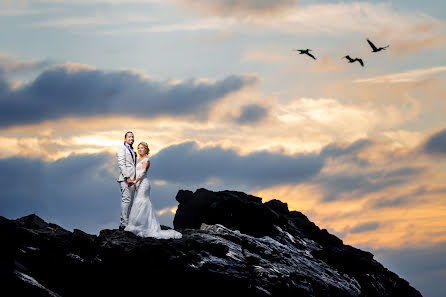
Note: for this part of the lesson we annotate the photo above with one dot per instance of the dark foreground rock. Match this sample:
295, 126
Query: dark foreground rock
232, 244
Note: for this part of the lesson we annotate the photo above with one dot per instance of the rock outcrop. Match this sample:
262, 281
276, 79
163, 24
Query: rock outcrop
232, 244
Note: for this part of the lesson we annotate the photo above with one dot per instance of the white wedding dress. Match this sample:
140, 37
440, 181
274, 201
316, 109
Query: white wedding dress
142, 219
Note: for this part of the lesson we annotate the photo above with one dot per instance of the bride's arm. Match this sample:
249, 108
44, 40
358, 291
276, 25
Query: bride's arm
145, 167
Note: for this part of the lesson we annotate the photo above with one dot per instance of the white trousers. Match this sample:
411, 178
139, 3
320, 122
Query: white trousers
127, 194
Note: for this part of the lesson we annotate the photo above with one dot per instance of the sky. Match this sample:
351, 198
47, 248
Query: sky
225, 102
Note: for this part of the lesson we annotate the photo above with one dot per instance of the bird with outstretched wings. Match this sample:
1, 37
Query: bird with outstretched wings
351, 60
306, 52
374, 48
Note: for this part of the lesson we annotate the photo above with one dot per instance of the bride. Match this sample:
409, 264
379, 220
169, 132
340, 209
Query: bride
142, 219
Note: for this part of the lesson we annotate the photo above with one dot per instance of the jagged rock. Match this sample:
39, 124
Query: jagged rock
229, 208
232, 244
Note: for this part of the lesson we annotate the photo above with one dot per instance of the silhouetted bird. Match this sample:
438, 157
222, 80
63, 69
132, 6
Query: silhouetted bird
306, 52
350, 60
376, 49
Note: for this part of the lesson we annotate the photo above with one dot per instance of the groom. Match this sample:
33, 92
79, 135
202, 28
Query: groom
127, 174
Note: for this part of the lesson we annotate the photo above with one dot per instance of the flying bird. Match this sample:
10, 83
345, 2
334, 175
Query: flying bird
350, 60
374, 48
306, 52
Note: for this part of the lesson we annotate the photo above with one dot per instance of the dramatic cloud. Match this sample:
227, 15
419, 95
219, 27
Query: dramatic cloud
73, 90
187, 162
436, 144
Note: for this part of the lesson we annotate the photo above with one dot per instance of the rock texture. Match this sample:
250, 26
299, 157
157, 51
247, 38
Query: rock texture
232, 244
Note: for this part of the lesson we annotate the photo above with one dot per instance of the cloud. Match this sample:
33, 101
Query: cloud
251, 114
72, 90
436, 144
423, 266
328, 118
301, 125
365, 227
240, 8
352, 185
399, 201
404, 77
365, 167
352, 149
188, 163
10, 65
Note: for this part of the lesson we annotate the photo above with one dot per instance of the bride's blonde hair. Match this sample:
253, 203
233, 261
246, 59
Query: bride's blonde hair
146, 146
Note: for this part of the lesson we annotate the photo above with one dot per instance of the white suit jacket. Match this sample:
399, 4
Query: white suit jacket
126, 164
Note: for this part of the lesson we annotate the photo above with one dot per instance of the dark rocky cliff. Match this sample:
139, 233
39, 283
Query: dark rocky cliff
232, 244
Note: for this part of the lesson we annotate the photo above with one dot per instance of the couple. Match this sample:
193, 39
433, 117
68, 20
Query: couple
137, 212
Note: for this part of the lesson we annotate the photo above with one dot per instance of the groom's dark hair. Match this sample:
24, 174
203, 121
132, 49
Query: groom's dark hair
125, 136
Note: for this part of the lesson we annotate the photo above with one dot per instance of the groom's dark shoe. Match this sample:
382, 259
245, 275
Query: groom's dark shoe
121, 227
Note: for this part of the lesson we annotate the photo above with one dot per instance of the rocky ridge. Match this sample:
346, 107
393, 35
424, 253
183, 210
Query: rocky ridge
232, 244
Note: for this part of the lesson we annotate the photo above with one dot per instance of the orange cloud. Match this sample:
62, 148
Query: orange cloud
301, 125
403, 205
421, 223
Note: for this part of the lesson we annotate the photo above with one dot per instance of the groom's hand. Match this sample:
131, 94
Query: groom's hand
129, 181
